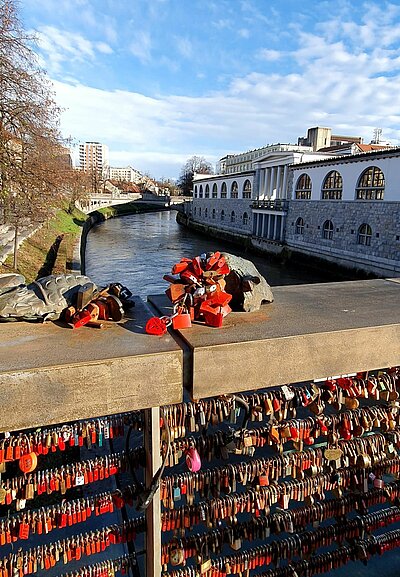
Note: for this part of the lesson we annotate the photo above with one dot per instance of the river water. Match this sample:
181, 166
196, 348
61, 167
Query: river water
137, 250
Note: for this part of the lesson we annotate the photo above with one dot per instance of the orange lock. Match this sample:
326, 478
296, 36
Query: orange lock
179, 267
28, 462
213, 260
175, 292
213, 316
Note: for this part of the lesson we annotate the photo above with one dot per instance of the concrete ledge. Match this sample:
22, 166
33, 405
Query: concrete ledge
309, 332
50, 373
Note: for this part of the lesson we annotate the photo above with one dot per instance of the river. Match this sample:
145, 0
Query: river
137, 250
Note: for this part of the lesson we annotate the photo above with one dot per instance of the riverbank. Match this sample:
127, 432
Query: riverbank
58, 246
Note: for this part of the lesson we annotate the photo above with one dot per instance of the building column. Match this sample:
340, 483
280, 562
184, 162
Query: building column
271, 181
285, 181
276, 227
279, 182
268, 227
256, 185
282, 228
255, 219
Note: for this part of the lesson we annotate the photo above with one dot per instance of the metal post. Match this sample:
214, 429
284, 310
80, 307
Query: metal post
153, 511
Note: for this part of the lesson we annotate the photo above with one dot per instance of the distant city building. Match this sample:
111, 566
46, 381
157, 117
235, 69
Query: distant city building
321, 137
126, 174
93, 155
235, 163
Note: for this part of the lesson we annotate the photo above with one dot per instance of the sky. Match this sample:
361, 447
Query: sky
159, 81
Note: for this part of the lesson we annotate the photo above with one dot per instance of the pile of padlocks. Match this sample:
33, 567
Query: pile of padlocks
197, 292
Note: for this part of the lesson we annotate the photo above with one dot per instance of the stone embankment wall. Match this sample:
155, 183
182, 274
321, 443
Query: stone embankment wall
380, 256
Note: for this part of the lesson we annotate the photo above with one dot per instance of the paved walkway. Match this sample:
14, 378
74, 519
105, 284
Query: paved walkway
7, 238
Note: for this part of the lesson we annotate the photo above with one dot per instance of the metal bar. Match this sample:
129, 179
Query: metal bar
153, 511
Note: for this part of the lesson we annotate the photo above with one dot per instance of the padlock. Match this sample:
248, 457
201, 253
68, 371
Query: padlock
156, 326
193, 460
80, 319
181, 321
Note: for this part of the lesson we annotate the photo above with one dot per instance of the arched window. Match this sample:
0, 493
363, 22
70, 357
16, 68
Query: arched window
207, 192
333, 186
247, 189
364, 235
199, 211
201, 191
223, 190
195, 191
245, 219
215, 190
233, 216
205, 212
234, 189
371, 184
327, 230
299, 226
194, 211
213, 214
303, 187
222, 215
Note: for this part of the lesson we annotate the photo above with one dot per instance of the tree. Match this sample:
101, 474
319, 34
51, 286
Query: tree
32, 159
194, 165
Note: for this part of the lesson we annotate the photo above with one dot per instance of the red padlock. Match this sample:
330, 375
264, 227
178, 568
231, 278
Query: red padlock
181, 321
80, 319
156, 326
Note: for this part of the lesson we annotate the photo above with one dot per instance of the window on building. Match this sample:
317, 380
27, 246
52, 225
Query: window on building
199, 211
299, 226
213, 214
223, 190
364, 235
327, 230
234, 190
371, 184
247, 189
245, 219
195, 191
206, 212
194, 211
201, 191
207, 192
233, 216
222, 215
303, 187
214, 190
333, 186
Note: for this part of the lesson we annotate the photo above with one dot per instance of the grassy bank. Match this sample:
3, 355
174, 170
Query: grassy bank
50, 249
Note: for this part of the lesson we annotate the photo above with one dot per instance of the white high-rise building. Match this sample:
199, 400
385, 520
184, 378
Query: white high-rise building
93, 155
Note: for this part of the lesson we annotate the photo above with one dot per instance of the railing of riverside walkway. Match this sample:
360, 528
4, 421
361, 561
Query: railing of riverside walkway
278, 205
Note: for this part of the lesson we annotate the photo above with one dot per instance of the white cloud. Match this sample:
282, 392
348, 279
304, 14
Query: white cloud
244, 32
59, 46
184, 46
141, 46
269, 55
